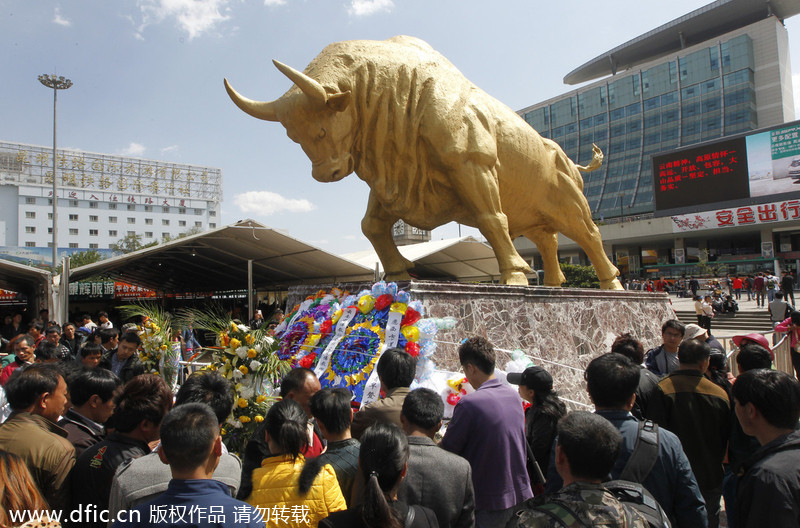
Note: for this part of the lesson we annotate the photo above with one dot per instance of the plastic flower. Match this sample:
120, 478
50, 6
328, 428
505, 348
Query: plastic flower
242, 403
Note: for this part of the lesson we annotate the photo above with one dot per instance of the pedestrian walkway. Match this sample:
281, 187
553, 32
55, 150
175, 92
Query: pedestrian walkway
749, 318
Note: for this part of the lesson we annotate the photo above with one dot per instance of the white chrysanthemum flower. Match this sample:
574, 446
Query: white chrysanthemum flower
247, 392
254, 365
237, 374
242, 352
243, 328
269, 340
237, 424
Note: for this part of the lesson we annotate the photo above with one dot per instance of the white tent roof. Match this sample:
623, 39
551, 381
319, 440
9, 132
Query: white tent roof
464, 259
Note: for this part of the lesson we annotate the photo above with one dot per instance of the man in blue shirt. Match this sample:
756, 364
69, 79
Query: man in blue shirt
191, 445
488, 429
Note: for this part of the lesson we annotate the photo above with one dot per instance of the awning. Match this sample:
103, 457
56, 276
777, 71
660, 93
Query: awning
22, 278
462, 259
217, 260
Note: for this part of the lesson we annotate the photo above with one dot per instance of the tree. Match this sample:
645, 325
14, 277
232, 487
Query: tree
127, 244
580, 276
82, 258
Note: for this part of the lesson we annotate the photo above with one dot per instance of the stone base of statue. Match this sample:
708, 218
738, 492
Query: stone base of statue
560, 329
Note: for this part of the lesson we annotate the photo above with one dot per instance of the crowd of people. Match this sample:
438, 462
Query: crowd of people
92, 441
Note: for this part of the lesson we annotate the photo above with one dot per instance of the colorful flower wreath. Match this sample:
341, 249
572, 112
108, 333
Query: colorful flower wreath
311, 328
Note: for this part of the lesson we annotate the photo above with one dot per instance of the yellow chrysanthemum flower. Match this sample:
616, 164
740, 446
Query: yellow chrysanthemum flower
249, 339
258, 418
242, 403
244, 419
261, 398
251, 353
235, 343
243, 369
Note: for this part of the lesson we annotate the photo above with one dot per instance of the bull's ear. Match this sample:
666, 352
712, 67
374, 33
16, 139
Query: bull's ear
338, 102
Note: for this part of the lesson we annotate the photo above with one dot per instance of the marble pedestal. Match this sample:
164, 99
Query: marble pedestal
561, 329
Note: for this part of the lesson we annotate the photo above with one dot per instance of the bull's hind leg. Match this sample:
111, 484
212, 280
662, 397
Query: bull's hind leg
377, 227
578, 225
480, 194
547, 243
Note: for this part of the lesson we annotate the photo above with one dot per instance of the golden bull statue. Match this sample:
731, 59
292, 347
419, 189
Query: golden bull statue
434, 148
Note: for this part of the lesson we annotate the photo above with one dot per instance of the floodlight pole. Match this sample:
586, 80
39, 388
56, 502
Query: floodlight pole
56, 83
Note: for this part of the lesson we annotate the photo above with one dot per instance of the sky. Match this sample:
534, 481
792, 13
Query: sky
148, 81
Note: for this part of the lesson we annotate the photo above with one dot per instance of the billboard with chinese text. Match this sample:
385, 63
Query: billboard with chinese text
82, 175
742, 171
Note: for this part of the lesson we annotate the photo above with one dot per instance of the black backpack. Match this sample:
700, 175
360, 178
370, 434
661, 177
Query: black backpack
628, 488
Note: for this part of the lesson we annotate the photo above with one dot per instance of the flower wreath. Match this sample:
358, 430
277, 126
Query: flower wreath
355, 356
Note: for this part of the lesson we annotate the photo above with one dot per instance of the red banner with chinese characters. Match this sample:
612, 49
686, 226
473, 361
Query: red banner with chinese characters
738, 216
123, 290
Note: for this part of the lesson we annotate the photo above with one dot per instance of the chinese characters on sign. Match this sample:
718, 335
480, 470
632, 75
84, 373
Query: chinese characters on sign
785, 142
672, 173
705, 174
111, 174
738, 216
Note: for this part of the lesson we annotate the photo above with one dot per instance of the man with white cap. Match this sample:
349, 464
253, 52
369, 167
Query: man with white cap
701, 334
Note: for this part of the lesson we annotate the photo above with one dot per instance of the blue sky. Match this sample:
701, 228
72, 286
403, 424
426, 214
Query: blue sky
148, 80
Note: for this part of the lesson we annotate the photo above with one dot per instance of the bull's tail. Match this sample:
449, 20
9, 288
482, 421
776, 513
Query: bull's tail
597, 160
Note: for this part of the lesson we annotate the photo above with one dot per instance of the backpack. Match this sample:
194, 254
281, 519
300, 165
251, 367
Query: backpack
628, 488
633, 497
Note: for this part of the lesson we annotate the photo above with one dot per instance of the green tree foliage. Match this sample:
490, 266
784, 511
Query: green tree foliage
580, 276
127, 244
82, 258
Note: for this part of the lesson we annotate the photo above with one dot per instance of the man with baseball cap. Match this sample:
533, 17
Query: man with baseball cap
693, 331
541, 418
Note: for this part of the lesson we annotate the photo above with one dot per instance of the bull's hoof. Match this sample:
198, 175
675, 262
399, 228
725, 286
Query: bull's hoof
397, 276
612, 284
514, 278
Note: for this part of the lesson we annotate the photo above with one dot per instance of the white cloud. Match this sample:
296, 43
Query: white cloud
60, 20
170, 149
369, 7
267, 203
134, 149
195, 17
274, 2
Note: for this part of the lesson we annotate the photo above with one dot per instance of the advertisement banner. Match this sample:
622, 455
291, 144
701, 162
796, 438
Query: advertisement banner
738, 216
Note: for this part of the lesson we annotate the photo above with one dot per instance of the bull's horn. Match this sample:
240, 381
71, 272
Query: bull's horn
258, 109
309, 86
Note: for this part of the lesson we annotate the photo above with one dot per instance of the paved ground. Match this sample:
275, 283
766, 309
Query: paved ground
745, 306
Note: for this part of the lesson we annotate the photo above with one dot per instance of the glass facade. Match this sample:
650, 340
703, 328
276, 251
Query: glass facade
703, 95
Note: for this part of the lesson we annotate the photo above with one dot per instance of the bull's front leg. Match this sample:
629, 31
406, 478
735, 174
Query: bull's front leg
377, 227
480, 193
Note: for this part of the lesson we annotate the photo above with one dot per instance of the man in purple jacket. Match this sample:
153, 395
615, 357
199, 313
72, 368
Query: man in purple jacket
488, 429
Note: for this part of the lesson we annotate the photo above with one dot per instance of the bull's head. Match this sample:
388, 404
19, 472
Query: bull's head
321, 122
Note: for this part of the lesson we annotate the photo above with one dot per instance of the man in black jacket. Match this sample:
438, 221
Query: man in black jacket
140, 407
768, 407
124, 360
91, 393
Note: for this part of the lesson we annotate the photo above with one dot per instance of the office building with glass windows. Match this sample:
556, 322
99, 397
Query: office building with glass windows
719, 71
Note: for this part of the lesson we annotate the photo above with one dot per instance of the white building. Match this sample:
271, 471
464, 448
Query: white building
101, 199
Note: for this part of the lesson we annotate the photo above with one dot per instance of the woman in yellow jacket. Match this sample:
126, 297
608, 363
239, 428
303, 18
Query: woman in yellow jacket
276, 484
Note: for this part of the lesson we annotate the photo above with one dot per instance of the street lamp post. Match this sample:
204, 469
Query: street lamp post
56, 83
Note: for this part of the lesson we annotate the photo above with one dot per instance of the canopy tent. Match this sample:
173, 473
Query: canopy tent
36, 284
219, 259
462, 259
